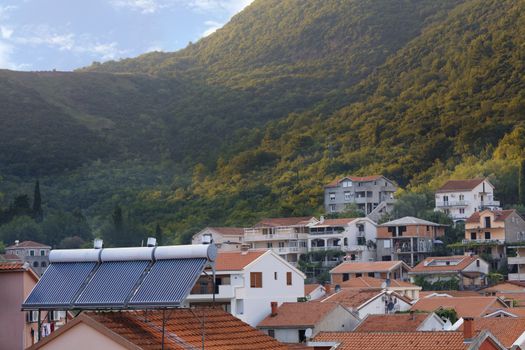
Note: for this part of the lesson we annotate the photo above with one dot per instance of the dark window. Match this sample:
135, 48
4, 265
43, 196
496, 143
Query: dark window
428, 228
487, 235
371, 274
358, 275
473, 235
275, 276
346, 277
256, 279
487, 221
386, 258
31, 253
42, 252
302, 336
401, 229
361, 241
35, 264
271, 333
43, 264
288, 278
477, 263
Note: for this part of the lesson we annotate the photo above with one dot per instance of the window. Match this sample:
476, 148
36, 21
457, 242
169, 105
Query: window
43, 264
269, 245
332, 208
42, 252
461, 197
345, 241
371, 274
281, 244
477, 263
347, 183
487, 221
473, 235
288, 278
462, 210
347, 195
346, 277
302, 335
332, 196
35, 264
31, 253
358, 275
445, 198
361, 241
487, 235
387, 244
271, 333
256, 279
275, 276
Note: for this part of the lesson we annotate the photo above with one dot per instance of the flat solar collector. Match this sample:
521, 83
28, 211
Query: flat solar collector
59, 284
111, 284
168, 282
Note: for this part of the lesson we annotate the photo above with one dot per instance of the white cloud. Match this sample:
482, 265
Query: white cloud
5, 32
143, 6
4, 11
211, 27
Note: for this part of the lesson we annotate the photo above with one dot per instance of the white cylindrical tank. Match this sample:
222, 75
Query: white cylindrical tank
208, 251
127, 254
74, 255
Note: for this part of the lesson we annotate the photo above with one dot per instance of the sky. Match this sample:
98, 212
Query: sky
64, 35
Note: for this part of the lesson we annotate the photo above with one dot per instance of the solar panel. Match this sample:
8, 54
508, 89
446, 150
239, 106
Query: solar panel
59, 285
168, 282
111, 284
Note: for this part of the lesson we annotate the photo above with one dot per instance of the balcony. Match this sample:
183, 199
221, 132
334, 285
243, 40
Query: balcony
321, 249
285, 250
516, 260
224, 292
484, 241
255, 235
517, 276
489, 205
448, 204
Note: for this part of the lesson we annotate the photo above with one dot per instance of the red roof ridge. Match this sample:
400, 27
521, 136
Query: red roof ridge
459, 185
28, 244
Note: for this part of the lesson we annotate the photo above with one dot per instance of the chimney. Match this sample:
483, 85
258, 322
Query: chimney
321, 219
468, 328
412, 315
274, 306
98, 243
244, 249
328, 288
17, 242
152, 242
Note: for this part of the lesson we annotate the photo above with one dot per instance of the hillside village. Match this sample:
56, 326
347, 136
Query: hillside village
331, 282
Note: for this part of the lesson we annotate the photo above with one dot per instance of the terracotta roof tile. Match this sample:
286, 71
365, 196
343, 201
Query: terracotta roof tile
506, 329
371, 282
335, 222
336, 182
309, 288
462, 262
395, 340
504, 287
293, 315
373, 266
501, 215
183, 327
229, 231
11, 266
28, 244
464, 306
278, 222
392, 323
351, 298
518, 311
460, 185
235, 261
452, 293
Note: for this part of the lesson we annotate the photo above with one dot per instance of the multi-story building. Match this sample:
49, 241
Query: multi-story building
36, 254
490, 230
371, 194
287, 237
516, 264
462, 198
355, 236
378, 269
408, 239
247, 282
225, 238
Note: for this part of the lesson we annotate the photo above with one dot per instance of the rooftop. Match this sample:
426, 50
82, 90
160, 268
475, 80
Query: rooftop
395, 340
464, 306
183, 330
229, 231
309, 288
293, 315
372, 266
351, 298
335, 222
410, 220
371, 282
28, 244
450, 293
460, 185
499, 215
336, 182
392, 323
279, 222
235, 261
445, 263
506, 329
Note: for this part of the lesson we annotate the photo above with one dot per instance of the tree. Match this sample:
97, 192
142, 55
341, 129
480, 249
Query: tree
521, 182
38, 214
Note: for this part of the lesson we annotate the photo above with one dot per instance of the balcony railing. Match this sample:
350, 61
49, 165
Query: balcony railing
517, 276
223, 292
447, 204
329, 247
484, 241
285, 250
516, 260
257, 237
489, 204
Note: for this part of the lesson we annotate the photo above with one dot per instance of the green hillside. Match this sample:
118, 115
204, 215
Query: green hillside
254, 119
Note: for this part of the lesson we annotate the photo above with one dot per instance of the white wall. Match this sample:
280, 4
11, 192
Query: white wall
218, 239
432, 323
472, 199
377, 307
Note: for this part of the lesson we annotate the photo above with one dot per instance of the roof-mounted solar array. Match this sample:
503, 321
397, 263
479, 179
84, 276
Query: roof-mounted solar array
120, 278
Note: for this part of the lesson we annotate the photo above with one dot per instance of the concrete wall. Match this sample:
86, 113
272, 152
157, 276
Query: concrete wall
377, 307
514, 228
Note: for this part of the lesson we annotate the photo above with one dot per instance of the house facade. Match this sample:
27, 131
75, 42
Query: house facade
36, 254
408, 239
470, 271
378, 269
355, 236
288, 237
368, 193
491, 230
227, 239
247, 282
462, 198
516, 264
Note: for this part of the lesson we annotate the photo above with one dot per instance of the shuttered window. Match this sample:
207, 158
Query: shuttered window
256, 279
289, 278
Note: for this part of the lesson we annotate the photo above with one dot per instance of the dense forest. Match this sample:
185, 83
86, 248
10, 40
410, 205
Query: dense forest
253, 120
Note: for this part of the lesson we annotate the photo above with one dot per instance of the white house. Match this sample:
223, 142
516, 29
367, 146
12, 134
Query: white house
226, 238
461, 198
247, 282
355, 236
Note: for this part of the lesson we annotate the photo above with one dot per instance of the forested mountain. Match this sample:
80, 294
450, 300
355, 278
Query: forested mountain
254, 119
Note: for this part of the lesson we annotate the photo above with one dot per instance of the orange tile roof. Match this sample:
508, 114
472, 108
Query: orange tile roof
28, 244
463, 262
452, 293
504, 287
335, 222
464, 306
309, 288
518, 311
392, 323
293, 315
278, 222
518, 298
336, 182
373, 266
395, 340
460, 185
500, 215
506, 329
222, 330
229, 231
11, 266
351, 298
235, 261
371, 282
